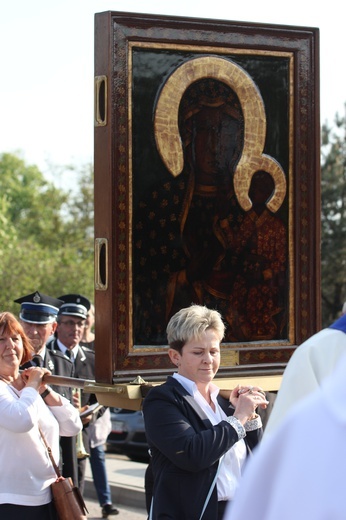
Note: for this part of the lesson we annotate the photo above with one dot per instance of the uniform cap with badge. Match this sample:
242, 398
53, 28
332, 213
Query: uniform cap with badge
74, 305
39, 308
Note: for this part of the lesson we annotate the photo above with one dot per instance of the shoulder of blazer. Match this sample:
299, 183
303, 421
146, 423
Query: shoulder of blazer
168, 390
173, 392
173, 389
171, 384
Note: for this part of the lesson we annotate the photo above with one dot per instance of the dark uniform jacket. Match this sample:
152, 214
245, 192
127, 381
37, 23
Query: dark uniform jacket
84, 368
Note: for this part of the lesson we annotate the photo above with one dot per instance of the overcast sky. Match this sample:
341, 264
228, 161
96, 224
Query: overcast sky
47, 65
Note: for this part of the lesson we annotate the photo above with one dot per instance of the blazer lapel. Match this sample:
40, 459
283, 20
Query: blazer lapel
197, 409
190, 400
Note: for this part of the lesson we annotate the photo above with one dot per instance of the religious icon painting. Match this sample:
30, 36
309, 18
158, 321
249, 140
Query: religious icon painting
206, 187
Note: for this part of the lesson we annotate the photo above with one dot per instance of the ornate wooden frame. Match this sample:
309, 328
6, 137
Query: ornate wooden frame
275, 72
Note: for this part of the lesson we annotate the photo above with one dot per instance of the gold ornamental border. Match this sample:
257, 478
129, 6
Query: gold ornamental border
226, 51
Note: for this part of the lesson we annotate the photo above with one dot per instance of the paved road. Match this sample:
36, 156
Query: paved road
126, 512
126, 479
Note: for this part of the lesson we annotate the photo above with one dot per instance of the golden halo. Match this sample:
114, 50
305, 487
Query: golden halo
168, 139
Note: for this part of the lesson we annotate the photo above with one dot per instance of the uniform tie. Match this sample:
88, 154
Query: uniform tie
37, 361
69, 354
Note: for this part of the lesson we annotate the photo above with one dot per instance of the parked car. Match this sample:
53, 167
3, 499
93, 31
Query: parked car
128, 434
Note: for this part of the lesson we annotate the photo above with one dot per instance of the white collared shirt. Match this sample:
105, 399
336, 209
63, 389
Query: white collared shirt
74, 350
233, 460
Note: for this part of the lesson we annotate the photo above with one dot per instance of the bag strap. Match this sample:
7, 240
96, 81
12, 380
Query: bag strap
76, 491
211, 488
49, 449
151, 509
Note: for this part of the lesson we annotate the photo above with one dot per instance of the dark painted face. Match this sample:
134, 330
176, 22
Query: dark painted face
262, 187
215, 139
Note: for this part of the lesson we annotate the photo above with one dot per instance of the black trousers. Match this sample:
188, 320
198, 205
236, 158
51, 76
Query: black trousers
13, 511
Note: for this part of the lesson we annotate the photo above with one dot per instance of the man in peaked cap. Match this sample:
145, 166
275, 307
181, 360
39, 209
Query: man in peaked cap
38, 308
71, 322
38, 313
74, 305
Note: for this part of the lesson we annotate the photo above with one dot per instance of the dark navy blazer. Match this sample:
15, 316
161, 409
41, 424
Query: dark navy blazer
185, 449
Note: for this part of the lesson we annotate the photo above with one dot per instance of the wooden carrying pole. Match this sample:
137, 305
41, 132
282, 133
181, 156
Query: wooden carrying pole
73, 382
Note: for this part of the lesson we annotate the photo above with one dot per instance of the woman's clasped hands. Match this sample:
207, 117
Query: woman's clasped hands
246, 399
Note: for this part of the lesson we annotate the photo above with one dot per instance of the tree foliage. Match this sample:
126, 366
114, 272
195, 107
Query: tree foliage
333, 248
46, 233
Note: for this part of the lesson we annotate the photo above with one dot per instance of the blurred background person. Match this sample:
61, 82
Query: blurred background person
71, 320
98, 431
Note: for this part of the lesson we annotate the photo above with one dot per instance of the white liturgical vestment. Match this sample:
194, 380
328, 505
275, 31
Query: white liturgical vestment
309, 365
298, 472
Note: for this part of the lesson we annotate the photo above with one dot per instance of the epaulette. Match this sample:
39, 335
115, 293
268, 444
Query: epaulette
86, 349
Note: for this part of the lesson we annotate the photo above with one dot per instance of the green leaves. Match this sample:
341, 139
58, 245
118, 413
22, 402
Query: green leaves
46, 233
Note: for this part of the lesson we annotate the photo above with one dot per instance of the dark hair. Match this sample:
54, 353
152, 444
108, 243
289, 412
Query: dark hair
10, 325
